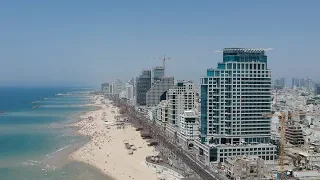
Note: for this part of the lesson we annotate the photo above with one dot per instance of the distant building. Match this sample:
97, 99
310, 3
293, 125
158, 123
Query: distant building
158, 89
244, 167
279, 83
295, 83
105, 87
157, 73
118, 86
309, 84
143, 84
129, 91
234, 97
317, 89
302, 82
162, 112
111, 88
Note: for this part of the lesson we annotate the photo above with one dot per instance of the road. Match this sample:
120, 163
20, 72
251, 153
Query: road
158, 134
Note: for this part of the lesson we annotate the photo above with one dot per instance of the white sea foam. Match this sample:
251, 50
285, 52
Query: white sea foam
31, 163
61, 106
50, 155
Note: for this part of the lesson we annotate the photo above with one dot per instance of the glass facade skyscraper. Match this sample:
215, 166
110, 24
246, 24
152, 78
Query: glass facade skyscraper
157, 73
234, 98
143, 84
158, 89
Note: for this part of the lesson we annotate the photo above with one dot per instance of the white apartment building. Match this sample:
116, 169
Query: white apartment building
129, 91
181, 97
188, 128
117, 87
162, 113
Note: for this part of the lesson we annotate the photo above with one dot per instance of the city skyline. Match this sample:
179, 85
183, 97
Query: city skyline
88, 43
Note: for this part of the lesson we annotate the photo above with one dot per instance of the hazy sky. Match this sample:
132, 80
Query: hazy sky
75, 41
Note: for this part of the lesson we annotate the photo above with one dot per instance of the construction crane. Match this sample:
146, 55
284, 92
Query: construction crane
164, 61
284, 117
276, 100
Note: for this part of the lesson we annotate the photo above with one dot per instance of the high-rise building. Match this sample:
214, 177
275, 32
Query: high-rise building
181, 97
129, 91
317, 88
143, 84
283, 82
105, 87
159, 90
117, 86
234, 98
295, 82
309, 83
157, 73
302, 82
279, 83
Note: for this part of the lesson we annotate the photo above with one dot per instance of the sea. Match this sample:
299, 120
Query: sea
35, 139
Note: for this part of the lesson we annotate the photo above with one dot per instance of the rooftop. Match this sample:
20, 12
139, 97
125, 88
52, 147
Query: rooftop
245, 50
241, 145
158, 68
190, 113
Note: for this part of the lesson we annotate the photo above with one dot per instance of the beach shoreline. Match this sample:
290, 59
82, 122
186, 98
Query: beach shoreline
106, 150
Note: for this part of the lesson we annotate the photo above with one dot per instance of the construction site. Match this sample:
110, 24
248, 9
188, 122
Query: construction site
295, 129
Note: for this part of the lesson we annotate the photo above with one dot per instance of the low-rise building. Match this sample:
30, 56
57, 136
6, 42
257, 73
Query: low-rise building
219, 152
162, 112
244, 167
294, 134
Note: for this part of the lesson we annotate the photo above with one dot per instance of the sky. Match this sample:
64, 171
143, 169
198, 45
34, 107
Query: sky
89, 42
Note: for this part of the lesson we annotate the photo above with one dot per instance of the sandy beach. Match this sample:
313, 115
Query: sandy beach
106, 149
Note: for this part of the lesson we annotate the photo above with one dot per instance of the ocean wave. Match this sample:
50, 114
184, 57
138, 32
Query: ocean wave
64, 94
35, 114
51, 154
61, 106
31, 163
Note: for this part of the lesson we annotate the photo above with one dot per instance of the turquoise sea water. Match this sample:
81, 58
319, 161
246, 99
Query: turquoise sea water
34, 142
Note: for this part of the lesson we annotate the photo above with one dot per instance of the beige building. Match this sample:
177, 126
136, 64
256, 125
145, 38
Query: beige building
294, 134
244, 167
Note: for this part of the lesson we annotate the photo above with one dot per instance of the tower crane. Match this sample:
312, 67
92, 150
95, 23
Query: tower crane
283, 119
164, 61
